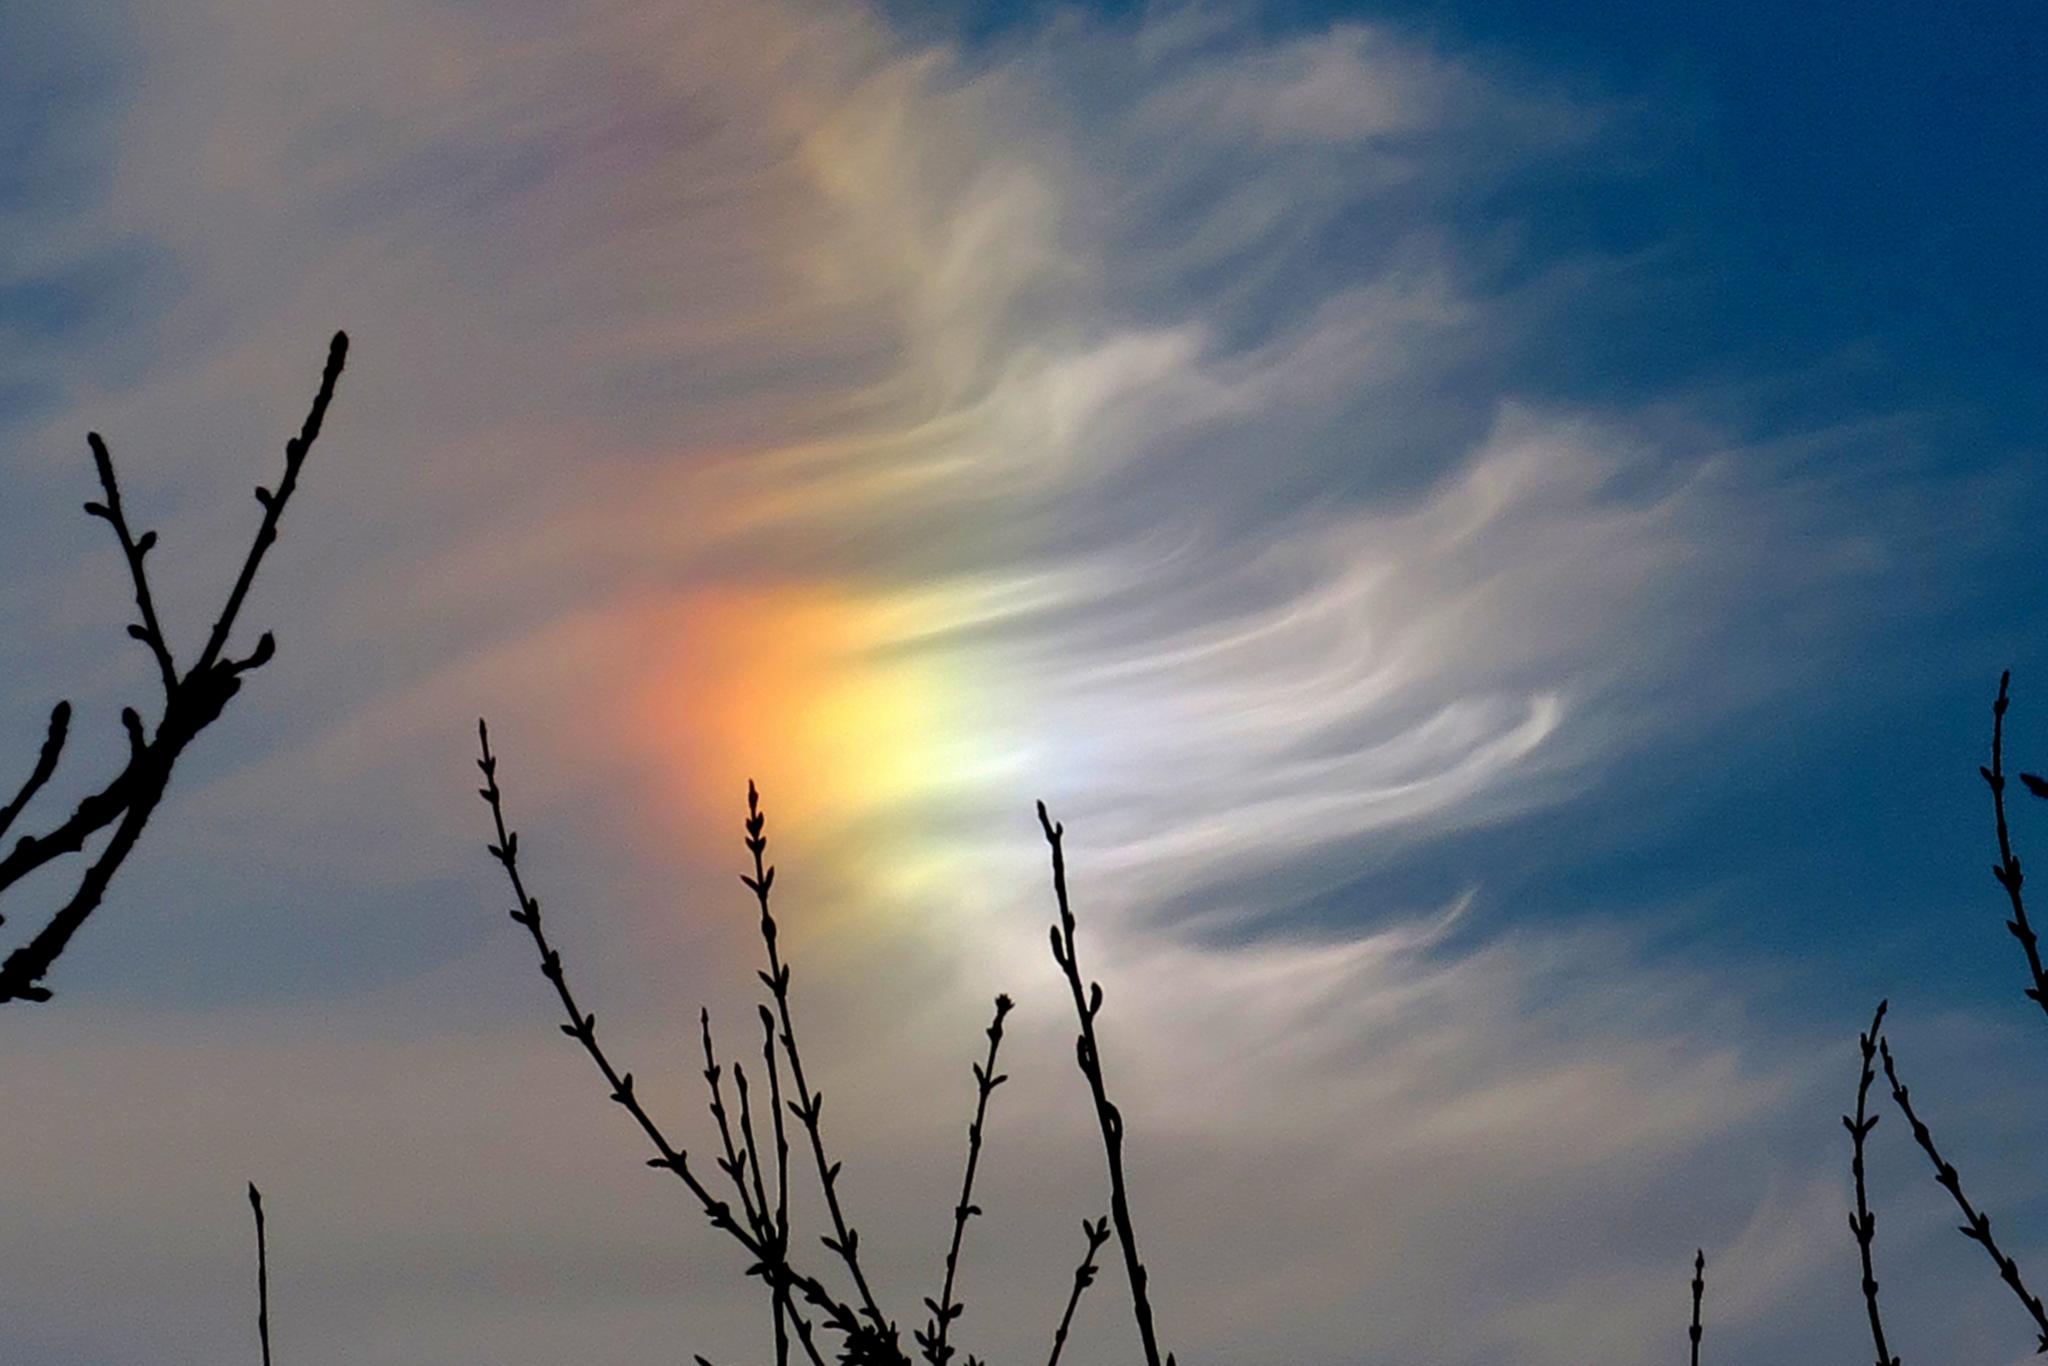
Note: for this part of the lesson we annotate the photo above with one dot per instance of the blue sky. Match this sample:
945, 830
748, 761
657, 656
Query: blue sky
1497, 525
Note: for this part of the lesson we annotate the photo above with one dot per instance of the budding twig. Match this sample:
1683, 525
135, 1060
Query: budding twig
844, 1238
1863, 1223
945, 1309
768, 1262
46, 764
1088, 1054
2007, 870
1699, 1290
1097, 1234
1976, 1225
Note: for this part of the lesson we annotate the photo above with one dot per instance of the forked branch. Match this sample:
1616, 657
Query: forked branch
1097, 1233
192, 701
768, 1261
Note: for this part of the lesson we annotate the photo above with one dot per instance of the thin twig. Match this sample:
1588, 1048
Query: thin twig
1976, 1226
133, 548
46, 764
945, 1309
582, 1027
1097, 1234
1699, 1290
273, 503
732, 1164
1863, 1223
1089, 1055
262, 1274
782, 1305
844, 1239
750, 1151
2007, 870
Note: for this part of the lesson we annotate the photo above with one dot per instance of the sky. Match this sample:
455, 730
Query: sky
1495, 525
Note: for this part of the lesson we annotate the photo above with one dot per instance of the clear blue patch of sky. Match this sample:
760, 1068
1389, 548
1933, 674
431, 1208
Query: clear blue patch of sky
1867, 172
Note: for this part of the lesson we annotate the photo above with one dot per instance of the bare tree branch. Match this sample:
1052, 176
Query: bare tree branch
1977, 1225
1097, 1234
1699, 1290
262, 1274
844, 1238
769, 1262
1087, 1005
46, 764
133, 548
1863, 1223
192, 701
945, 1309
2007, 870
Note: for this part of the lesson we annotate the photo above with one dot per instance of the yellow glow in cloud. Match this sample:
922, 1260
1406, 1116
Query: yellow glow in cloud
795, 687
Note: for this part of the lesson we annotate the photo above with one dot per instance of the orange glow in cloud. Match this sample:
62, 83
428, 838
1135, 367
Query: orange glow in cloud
797, 688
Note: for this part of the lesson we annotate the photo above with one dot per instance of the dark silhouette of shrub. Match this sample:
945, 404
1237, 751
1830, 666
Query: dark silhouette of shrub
800, 1301
193, 699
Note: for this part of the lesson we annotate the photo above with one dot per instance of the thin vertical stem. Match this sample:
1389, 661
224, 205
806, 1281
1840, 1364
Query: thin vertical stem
1088, 1054
1699, 1290
945, 1310
2007, 871
262, 1274
1863, 1223
782, 1305
844, 1239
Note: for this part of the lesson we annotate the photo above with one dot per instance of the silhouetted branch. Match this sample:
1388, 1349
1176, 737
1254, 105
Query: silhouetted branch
844, 1239
1976, 1226
1699, 1290
192, 701
732, 1164
46, 764
782, 1305
94, 813
273, 503
769, 1262
2007, 871
944, 1310
1097, 1234
262, 1274
1863, 1223
772, 1227
133, 549
1089, 1055
750, 1151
